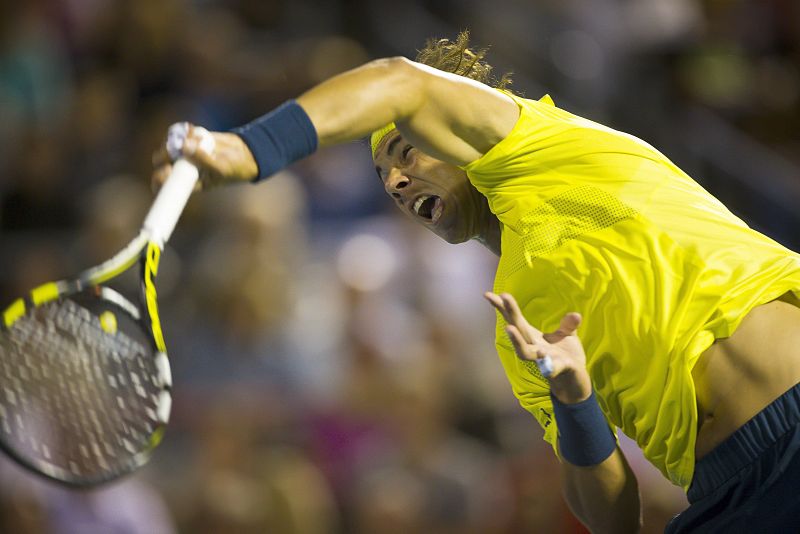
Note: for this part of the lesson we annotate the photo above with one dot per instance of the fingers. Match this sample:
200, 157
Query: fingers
161, 157
531, 352
185, 140
516, 318
507, 307
521, 345
495, 301
529, 344
199, 148
524, 349
510, 310
198, 145
502, 306
513, 308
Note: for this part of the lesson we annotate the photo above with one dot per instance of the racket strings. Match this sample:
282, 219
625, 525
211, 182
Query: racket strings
76, 397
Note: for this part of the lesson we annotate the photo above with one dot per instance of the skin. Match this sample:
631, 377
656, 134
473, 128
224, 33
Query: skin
605, 496
740, 375
230, 161
450, 121
446, 121
461, 212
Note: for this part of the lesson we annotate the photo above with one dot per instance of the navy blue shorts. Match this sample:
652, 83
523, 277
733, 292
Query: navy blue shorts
750, 483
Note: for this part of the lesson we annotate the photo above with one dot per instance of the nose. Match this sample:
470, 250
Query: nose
396, 181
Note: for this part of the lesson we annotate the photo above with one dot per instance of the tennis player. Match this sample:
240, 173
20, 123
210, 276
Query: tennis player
691, 343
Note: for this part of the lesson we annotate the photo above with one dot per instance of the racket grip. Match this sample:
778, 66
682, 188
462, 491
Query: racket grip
171, 199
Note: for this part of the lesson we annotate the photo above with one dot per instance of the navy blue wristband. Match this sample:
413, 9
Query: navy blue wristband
585, 438
279, 138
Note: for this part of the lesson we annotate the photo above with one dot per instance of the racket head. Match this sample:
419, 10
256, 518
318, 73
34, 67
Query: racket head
85, 386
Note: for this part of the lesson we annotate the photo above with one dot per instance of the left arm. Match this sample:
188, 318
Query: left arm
605, 497
602, 491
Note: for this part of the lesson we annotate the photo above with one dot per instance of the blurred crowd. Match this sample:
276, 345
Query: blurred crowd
334, 363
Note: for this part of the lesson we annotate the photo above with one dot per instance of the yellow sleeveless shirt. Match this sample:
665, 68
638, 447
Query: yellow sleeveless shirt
599, 222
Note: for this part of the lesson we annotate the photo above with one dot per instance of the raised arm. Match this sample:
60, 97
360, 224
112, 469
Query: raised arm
449, 117
599, 485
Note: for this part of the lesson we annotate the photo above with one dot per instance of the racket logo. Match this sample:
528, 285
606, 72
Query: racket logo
152, 257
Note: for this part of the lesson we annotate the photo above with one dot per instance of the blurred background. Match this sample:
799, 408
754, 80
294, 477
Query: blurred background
334, 363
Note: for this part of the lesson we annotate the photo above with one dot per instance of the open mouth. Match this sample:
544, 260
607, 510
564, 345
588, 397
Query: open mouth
428, 207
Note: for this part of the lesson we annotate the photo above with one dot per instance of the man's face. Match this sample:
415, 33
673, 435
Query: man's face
436, 194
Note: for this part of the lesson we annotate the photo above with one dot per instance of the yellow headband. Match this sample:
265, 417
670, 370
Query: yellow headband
377, 135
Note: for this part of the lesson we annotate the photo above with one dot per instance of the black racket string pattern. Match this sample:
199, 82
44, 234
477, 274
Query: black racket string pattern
84, 376
77, 401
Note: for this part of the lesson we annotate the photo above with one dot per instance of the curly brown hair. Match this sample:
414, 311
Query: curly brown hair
456, 57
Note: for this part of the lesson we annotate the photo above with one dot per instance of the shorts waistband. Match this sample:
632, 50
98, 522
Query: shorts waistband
746, 444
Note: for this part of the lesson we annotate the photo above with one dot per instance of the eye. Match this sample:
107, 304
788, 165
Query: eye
406, 150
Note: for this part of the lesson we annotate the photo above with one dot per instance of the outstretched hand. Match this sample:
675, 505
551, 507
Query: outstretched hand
558, 354
220, 157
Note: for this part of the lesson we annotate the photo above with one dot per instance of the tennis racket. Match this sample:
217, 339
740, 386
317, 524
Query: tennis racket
84, 376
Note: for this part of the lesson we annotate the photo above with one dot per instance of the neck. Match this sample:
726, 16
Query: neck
488, 233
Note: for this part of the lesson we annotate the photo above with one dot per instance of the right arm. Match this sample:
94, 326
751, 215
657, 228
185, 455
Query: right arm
449, 117
604, 496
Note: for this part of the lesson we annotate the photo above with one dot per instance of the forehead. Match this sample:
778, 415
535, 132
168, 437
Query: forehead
377, 136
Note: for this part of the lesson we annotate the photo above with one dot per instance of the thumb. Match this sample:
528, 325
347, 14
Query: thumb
570, 323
